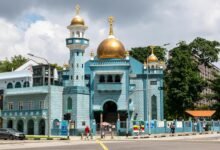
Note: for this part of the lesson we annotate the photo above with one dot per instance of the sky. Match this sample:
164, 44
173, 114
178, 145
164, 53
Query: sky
40, 26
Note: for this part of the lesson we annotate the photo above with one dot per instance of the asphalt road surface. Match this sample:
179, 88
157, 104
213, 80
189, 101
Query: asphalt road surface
136, 145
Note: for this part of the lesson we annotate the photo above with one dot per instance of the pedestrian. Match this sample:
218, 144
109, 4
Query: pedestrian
87, 131
172, 128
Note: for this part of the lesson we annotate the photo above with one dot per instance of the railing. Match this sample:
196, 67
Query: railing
77, 41
109, 86
110, 62
165, 126
17, 113
25, 91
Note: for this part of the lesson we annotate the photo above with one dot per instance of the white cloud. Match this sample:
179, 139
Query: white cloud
42, 38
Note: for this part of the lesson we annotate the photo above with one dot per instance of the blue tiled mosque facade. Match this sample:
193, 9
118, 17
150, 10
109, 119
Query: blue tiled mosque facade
110, 87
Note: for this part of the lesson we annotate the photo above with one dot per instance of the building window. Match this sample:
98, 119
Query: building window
10, 106
78, 34
77, 53
102, 79
82, 65
20, 105
117, 78
154, 107
109, 79
30, 105
26, 84
41, 104
153, 82
69, 103
77, 77
9, 85
17, 85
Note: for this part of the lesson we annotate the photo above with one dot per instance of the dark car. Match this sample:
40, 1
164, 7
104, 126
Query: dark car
9, 133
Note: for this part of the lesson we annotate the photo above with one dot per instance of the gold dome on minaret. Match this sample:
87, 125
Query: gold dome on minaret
152, 57
111, 47
77, 20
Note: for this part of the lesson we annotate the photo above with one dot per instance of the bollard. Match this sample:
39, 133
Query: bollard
91, 136
111, 135
81, 136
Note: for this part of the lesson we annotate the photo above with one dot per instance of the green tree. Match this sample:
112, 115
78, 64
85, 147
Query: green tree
205, 50
183, 82
141, 53
15, 62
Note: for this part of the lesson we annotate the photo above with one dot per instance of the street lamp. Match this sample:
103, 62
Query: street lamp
49, 91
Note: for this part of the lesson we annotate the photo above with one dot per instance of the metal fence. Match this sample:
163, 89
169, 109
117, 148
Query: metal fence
156, 127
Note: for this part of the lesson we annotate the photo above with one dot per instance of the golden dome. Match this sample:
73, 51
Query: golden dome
77, 20
152, 57
111, 47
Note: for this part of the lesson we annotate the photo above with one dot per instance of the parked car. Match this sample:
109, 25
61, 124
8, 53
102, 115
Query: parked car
9, 133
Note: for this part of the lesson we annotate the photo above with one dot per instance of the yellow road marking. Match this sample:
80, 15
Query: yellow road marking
102, 144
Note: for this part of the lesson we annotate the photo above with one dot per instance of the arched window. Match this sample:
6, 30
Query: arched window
117, 78
9, 85
78, 34
77, 77
102, 78
26, 84
109, 79
154, 107
17, 85
69, 103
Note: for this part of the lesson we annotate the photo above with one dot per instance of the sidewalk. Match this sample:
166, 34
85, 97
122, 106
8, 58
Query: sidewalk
163, 136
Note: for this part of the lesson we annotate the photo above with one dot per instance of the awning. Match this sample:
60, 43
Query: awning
201, 113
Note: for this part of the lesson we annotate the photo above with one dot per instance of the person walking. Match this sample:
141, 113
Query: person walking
172, 128
87, 131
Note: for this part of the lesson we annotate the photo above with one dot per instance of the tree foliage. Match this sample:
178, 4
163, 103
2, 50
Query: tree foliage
205, 50
183, 81
15, 62
141, 53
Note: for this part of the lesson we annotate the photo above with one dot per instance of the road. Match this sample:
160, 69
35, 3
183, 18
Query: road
207, 143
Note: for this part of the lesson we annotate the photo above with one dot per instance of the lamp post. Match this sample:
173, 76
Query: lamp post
49, 91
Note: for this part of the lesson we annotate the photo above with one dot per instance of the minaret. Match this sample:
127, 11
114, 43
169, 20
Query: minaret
77, 44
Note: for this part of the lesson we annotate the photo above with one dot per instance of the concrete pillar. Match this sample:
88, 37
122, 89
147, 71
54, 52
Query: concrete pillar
36, 126
46, 126
4, 124
25, 125
14, 122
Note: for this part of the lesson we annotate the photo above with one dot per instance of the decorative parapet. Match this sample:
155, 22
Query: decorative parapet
109, 86
26, 91
110, 62
25, 113
77, 41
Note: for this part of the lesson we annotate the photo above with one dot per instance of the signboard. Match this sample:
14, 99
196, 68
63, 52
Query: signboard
160, 124
64, 127
152, 125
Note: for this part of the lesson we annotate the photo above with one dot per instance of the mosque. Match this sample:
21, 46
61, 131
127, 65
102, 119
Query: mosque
110, 88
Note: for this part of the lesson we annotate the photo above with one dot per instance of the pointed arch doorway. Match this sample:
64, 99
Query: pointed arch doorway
110, 112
